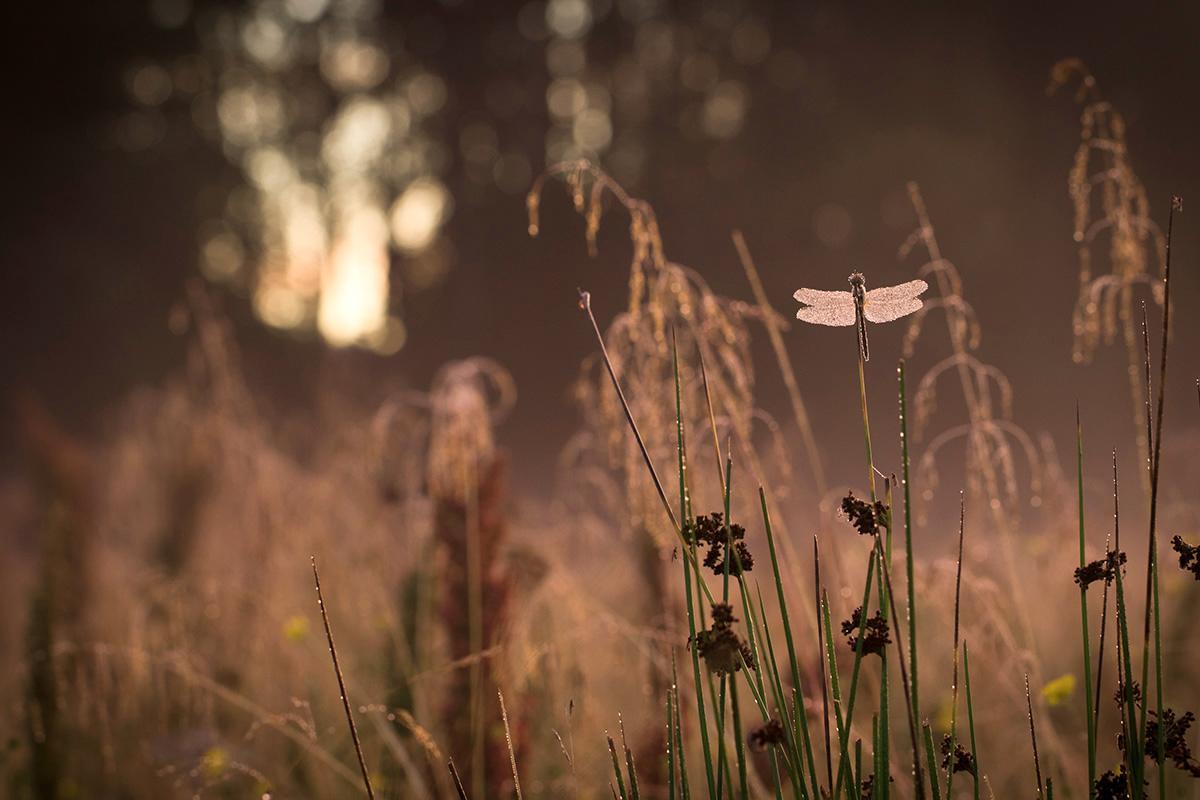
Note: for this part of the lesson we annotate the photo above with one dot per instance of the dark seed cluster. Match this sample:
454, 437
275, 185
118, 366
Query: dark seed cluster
721, 648
867, 789
1112, 785
1174, 729
867, 518
711, 532
875, 634
767, 734
955, 757
1189, 555
1103, 570
1135, 693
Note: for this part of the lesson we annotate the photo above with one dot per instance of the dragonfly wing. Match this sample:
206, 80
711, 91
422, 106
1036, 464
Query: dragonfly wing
886, 311
893, 294
817, 297
839, 314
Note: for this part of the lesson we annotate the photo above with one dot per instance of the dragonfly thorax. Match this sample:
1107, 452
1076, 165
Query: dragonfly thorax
858, 284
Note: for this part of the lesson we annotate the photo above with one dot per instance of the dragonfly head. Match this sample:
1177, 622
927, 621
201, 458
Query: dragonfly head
857, 281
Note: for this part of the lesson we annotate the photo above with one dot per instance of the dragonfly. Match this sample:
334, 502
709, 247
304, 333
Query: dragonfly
859, 306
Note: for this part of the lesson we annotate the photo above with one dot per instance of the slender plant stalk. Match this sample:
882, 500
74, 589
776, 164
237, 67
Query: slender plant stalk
1176, 205
1135, 764
454, 776
800, 718
782, 359
512, 756
915, 704
918, 778
634, 793
337, 670
821, 646
793, 753
844, 725
1100, 647
690, 555
966, 659
931, 759
616, 765
685, 791
886, 607
670, 743
962, 528
862, 393
1037, 763
835, 688
1083, 610
1104, 601
739, 740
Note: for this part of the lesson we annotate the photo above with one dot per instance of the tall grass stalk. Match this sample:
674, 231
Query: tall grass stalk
671, 738
908, 544
1176, 205
800, 718
962, 528
337, 670
844, 720
784, 362
1083, 610
835, 687
1037, 762
789, 724
685, 791
616, 765
966, 660
1152, 568
1135, 764
689, 556
512, 756
457, 779
821, 661
1111, 544
919, 784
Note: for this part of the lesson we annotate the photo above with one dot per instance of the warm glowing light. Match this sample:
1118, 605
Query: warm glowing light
278, 306
592, 130
569, 19
354, 296
418, 213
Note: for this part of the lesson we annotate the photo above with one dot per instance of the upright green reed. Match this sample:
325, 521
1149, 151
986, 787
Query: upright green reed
962, 530
1152, 567
688, 561
971, 717
1037, 762
1083, 611
800, 718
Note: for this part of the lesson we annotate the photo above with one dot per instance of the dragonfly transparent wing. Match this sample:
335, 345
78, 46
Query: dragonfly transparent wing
887, 312
889, 303
825, 308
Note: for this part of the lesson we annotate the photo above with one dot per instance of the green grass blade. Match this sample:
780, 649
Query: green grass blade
931, 761
670, 747
800, 718
908, 559
971, 718
1083, 610
1133, 744
616, 765
738, 739
685, 791
858, 658
687, 580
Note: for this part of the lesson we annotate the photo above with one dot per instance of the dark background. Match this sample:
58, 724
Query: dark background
98, 243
